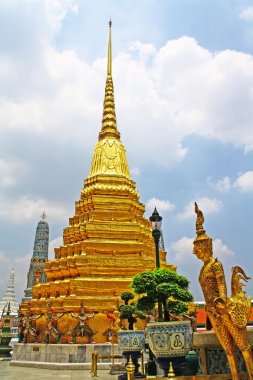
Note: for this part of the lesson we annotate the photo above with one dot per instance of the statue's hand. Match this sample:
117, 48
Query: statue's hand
220, 303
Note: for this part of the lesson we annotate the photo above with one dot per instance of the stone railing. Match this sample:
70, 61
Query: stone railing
212, 358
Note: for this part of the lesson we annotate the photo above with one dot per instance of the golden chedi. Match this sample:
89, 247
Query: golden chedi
107, 241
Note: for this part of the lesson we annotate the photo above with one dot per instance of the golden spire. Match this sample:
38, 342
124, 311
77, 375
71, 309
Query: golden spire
109, 123
109, 156
109, 63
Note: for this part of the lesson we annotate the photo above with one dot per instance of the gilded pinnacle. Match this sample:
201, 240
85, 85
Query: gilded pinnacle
109, 64
109, 123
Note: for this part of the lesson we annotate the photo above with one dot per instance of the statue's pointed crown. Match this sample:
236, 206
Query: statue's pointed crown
201, 233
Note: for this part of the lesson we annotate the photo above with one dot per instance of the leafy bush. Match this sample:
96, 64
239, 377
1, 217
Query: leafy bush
130, 312
165, 286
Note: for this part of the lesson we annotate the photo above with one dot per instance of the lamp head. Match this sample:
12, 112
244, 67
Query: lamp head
155, 220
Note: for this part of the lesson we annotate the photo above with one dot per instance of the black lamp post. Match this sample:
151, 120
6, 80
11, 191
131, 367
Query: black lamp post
156, 224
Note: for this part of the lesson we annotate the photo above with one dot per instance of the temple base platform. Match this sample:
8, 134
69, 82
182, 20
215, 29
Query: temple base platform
212, 359
62, 356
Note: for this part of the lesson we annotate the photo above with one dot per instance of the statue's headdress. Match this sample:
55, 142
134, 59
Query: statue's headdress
201, 233
82, 309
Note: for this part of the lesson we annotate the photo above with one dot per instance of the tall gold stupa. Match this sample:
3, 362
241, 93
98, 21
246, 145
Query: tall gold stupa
108, 240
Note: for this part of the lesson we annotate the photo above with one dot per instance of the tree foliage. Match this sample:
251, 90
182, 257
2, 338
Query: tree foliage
130, 311
164, 286
127, 296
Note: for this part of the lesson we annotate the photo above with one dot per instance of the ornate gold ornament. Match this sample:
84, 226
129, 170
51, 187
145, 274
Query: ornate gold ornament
227, 316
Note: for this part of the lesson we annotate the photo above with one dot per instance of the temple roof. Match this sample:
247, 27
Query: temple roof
40, 247
36, 272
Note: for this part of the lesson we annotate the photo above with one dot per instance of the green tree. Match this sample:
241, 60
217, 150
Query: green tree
130, 311
164, 286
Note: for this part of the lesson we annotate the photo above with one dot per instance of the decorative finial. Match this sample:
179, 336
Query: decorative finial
199, 222
171, 373
109, 63
130, 367
43, 216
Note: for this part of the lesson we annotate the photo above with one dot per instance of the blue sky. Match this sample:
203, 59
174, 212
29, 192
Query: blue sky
183, 78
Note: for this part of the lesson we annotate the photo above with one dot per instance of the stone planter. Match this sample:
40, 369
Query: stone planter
132, 342
170, 342
5, 349
5, 340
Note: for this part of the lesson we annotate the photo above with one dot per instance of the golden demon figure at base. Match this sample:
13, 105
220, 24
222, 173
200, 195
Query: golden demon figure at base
82, 329
227, 316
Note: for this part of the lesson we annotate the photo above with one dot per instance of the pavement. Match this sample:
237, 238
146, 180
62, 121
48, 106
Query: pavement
8, 372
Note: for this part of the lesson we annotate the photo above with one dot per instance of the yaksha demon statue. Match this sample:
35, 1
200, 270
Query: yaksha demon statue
227, 316
51, 330
82, 329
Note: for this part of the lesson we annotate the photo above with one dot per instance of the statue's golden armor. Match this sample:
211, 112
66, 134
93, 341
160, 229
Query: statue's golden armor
227, 316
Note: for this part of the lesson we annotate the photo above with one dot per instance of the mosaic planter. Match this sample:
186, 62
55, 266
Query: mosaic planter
170, 341
132, 342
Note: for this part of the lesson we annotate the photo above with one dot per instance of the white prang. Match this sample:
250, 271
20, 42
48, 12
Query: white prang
10, 296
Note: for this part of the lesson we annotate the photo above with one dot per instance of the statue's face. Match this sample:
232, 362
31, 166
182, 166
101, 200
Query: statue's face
82, 313
197, 250
203, 249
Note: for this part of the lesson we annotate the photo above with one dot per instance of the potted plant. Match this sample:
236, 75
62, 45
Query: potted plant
5, 336
131, 341
170, 338
130, 311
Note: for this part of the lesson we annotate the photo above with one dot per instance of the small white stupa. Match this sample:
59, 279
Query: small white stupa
9, 296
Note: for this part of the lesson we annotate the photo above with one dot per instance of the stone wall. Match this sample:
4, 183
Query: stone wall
212, 359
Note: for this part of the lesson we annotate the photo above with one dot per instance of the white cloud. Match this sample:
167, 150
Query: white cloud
135, 171
181, 255
56, 11
245, 182
224, 184
182, 250
207, 206
180, 89
247, 14
161, 205
221, 250
28, 208
10, 172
